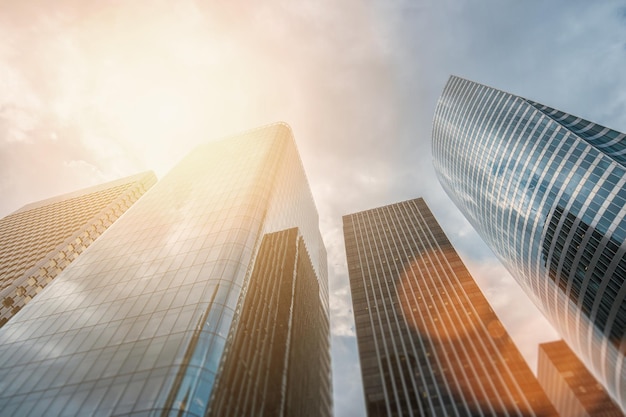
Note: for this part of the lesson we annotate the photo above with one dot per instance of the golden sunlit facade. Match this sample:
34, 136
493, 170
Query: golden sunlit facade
429, 343
570, 386
39, 240
143, 321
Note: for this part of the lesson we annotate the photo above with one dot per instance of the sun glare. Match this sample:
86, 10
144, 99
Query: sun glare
150, 87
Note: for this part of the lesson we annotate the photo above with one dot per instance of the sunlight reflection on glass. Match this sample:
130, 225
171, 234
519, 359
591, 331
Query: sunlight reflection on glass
472, 355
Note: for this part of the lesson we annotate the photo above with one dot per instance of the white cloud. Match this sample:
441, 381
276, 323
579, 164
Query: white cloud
348, 399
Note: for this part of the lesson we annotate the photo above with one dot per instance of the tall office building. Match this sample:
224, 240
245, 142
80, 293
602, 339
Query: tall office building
570, 386
545, 190
429, 343
162, 315
281, 339
39, 240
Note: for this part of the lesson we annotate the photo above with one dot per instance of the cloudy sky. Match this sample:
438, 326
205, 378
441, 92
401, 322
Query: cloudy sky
93, 91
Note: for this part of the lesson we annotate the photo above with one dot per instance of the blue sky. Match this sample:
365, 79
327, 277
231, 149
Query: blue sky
95, 91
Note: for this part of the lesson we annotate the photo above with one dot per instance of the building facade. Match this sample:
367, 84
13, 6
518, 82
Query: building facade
281, 332
545, 190
429, 343
570, 386
39, 240
143, 322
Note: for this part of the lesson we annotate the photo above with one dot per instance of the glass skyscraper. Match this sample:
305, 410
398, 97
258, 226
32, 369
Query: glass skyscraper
429, 343
545, 190
149, 320
39, 240
273, 368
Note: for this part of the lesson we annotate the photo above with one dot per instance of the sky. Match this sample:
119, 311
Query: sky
94, 91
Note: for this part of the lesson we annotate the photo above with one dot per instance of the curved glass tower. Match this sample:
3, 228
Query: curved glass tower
545, 190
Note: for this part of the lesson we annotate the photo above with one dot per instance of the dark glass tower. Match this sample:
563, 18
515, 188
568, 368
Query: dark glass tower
155, 317
546, 191
429, 343
281, 333
570, 386
39, 240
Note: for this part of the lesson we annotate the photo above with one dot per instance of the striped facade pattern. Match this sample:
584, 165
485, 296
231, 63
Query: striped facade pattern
570, 386
610, 141
429, 343
276, 366
546, 191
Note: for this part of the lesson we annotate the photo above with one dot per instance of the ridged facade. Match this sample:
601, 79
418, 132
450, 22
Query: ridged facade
429, 343
570, 386
141, 323
546, 191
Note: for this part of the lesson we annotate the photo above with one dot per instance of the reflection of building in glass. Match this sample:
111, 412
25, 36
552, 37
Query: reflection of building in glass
570, 386
281, 333
545, 189
144, 321
429, 343
39, 240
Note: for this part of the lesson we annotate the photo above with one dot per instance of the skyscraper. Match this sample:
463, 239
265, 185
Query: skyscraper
39, 240
146, 320
429, 343
282, 333
570, 386
545, 190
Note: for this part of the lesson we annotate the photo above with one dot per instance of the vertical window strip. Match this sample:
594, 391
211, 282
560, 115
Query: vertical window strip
381, 244
421, 233
481, 328
360, 237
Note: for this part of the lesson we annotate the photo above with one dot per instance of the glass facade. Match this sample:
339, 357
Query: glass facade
39, 240
280, 333
570, 386
545, 190
142, 321
429, 343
